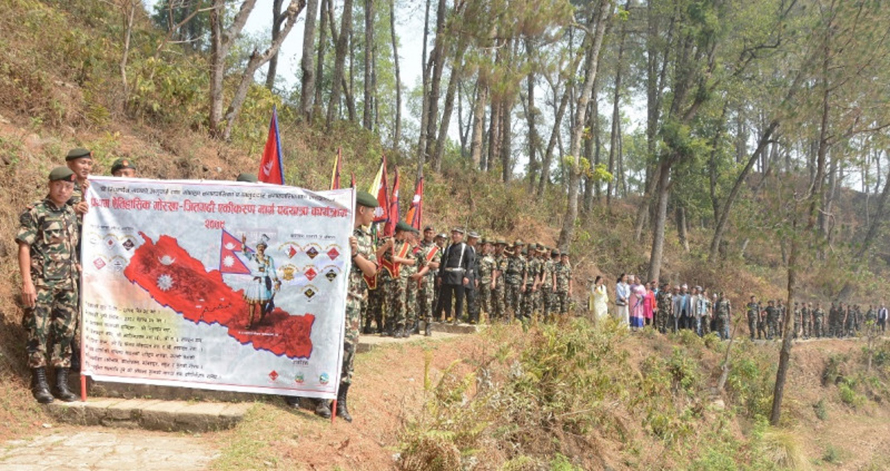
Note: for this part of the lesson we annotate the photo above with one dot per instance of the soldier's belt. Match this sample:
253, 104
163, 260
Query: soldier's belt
456, 270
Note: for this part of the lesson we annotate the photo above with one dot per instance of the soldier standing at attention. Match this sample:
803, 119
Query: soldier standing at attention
665, 302
500, 269
723, 313
487, 267
47, 238
806, 320
818, 321
530, 281
409, 276
513, 280
797, 320
80, 161
548, 284
125, 168
392, 254
473, 283
772, 320
432, 255
563, 275
753, 315
364, 262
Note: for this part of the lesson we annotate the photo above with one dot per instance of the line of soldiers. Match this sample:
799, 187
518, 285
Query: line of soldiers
425, 280
676, 309
810, 320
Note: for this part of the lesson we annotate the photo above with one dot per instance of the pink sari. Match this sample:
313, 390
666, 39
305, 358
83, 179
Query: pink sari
637, 305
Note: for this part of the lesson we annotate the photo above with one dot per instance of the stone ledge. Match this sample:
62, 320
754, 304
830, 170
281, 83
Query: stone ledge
150, 414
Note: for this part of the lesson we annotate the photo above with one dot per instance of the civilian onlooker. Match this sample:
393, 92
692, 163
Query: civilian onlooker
882, 317
622, 292
649, 304
600, 299
636, 300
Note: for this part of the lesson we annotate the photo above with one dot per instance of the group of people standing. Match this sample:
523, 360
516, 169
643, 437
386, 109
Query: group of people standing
421, 280
639, 304
811, 321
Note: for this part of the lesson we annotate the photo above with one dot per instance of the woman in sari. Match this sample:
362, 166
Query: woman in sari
636, 304
600, 300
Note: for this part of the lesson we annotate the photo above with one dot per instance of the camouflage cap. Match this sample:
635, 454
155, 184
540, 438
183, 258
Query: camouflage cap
247, 177
554, 253
518, 242
61, 174
78, 153
404, 226
501, 242
564, 253
473, 235
121, 164
459, 230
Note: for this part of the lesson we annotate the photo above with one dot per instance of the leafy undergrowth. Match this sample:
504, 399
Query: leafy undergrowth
584, 396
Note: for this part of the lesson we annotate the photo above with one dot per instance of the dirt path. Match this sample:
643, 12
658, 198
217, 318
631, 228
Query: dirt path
107, 449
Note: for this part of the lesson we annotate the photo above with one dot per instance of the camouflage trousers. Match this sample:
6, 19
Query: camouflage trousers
53, 319
773, 328
761, 329
393, 300
411, 293
548, 301
722, 326
512, 300
752, 325
663, 321
817, 328
374, 307
498, 310
561, 304
706, 325
485, 298
527, 305
350, 339
426, 298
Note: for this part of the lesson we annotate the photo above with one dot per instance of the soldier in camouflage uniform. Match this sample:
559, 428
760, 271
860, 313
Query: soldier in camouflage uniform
806, 320
487, 266
818, 321
409, 276
531, 281
753, 316
80, 161
723, 314
393, 253
498, 304
364, 263
563, 273
47, 238
797, 321
432, 256
548, 284
832, 321
514, 276
665, 302
540, 299
772, 320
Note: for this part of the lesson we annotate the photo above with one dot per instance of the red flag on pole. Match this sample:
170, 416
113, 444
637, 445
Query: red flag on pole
415, 211
272, 165
379, 189
338, 167
390, 227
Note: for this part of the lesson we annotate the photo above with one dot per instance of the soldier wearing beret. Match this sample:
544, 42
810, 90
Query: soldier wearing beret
123, 168
487, 266
247, 177
432, 256
499, 289
392, 253
515, 274
47, 238
408, 277
364, 264
80, 162
548, 282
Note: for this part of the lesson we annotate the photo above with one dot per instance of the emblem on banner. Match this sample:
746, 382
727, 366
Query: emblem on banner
291, 251
273, 375
287, 272
118, 264
331, 272
299, 378
128, 244
99, 263
109, 240
324, 378
311, 274
333, 253
312, 253
310, 292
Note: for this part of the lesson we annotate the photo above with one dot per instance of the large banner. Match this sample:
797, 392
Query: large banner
215, 285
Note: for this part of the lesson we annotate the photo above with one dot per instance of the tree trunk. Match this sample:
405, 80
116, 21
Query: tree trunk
340, 61
437, 64
877, 220
278, 18
616, 113
530, 113
397, 126
456, 75
221, 40
682, 227
551, 144
129, 17
603, 13
256, 61
425, 107
592, 125
506, 140
662, 192
785, 352
478, 123
494, 134
325, 17
307, 67
367, 113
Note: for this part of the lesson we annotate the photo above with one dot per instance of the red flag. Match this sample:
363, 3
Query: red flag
272, 165
379, 189
338, 167
415, 211
390, 227
353, 180
229, 262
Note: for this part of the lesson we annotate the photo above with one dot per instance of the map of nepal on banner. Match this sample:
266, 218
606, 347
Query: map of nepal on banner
215, 285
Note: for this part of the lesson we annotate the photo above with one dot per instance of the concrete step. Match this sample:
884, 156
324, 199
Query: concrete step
151, 414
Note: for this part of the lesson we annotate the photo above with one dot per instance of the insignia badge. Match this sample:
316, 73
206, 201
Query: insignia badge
98, 263
299, 378
312, 252
333, 253
309, 293
273, 375
324, 378
291, 251
331, 275
311, 274
128, 244
288, 272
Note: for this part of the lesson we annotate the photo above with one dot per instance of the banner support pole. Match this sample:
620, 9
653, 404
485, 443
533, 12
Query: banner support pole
333, 411
83, 388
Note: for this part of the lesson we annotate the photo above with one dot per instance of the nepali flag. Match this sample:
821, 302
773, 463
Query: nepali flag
338, 167
378, 189
229, 262
272, 165
415, 211
390, 227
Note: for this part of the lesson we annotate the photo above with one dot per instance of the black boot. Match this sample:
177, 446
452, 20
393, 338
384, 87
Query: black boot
342, 409
323, 409
62, 391
399, 332
416, 329
39, 386
428, 330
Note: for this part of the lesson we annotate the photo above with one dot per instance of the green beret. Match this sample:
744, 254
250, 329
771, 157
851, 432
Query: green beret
61, 174
518, 242
554, 253
78, 153
121, 164
501, 242
247, 177
404, 226
564, 253
363, 198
